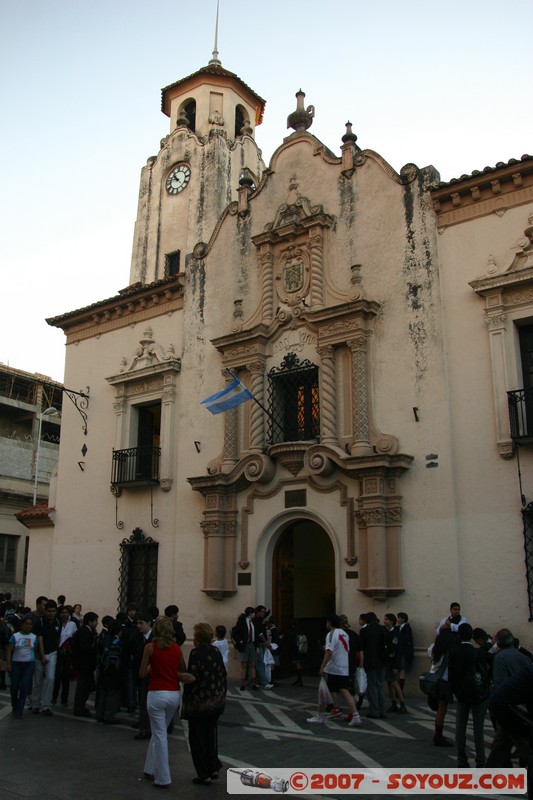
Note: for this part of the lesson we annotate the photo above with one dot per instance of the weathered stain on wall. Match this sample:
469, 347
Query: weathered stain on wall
419, 275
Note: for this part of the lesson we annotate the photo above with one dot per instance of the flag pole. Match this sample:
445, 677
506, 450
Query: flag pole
254, 398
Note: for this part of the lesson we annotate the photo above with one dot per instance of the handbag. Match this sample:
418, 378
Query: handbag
429, 680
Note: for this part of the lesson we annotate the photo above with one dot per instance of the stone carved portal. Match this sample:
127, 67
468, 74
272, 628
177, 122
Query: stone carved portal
299, 308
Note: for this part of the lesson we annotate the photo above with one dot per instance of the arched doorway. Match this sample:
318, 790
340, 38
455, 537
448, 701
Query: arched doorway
303, 581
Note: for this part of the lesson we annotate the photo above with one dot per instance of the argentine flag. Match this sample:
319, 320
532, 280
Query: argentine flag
230, 397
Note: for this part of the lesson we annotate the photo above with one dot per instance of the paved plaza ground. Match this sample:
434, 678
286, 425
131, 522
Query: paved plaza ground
69, 758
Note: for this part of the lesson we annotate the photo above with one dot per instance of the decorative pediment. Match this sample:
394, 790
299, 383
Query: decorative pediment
516, 276
148, 354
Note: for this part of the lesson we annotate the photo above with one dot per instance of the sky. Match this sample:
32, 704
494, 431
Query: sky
447, 84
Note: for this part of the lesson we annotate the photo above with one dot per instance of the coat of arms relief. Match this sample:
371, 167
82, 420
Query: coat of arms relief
292, 276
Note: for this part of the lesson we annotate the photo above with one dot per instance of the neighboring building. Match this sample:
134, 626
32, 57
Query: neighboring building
26, 463
378, 471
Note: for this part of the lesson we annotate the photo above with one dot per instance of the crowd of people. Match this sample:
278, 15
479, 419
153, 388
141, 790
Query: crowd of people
135, 662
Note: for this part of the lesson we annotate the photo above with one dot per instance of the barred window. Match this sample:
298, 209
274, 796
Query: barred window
294, 401
172, 264
138, 571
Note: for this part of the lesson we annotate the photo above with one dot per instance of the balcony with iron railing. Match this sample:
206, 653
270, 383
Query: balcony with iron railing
520, 402
136, 466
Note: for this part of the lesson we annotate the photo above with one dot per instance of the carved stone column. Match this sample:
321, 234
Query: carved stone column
379, 522
257, 416
361, 431
495, 322
168, 414
231, 435
328, 395
267, 261
220, 535
120, 404
316, 243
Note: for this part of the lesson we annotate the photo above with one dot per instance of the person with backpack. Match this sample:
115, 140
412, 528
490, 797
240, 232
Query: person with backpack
111, 674
468, 676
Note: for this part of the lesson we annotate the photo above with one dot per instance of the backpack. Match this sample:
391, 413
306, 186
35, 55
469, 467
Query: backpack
302, 644
111, 655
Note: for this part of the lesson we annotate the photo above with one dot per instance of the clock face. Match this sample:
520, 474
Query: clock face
178, 179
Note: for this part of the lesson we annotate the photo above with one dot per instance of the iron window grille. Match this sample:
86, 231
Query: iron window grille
136, 466
138, 571
172, 264
520, 404
294, 401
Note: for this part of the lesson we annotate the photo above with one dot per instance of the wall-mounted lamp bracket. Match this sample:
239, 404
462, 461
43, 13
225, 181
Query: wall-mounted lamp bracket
81, 403
155, 522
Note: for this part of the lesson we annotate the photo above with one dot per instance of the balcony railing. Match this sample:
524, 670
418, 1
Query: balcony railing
520, 404
136, 466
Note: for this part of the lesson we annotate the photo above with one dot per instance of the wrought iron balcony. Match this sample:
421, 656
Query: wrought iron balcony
136, 466
520, 404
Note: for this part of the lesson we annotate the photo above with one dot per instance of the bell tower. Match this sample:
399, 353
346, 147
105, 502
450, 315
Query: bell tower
185, 188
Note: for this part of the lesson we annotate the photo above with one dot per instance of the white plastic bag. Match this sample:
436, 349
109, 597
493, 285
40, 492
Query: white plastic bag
361, 680
324, 694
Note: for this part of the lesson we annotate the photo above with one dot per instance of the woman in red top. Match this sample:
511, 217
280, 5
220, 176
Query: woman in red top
163, 662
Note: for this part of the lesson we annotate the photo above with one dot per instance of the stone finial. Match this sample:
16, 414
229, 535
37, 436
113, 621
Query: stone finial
292, 196
492, 267
246, 178
302, 118
349, 136
216, 119
182, 119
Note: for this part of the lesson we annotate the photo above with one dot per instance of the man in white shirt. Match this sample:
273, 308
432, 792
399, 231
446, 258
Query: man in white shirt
454, 619
336, 671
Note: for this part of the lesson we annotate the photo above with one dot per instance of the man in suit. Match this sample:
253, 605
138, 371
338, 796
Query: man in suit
373, 639
84, 658
465, 661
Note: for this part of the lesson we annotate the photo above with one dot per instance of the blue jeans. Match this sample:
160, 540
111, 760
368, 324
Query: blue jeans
21, 675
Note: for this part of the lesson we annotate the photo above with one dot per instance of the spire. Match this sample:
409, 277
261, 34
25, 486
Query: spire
216, 60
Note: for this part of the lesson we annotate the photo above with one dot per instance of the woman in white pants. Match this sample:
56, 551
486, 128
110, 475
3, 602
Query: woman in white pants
163, 662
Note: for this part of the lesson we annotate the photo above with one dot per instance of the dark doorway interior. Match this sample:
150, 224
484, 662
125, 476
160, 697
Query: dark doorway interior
303, 581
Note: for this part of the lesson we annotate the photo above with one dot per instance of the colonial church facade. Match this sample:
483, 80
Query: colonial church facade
380, 320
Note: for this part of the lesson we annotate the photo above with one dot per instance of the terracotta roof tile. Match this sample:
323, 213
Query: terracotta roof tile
477, 172
35, 516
